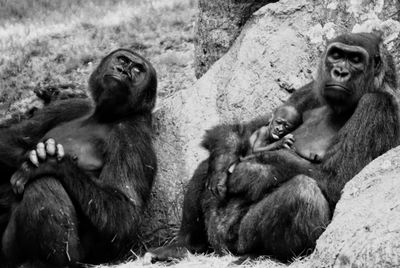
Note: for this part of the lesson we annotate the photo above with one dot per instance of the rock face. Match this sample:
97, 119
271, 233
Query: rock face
220, 22
218, 25
276, 52
365, 230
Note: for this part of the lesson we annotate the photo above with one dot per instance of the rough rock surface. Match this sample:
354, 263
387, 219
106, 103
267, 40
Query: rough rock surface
277, 52
365, 230
218, 25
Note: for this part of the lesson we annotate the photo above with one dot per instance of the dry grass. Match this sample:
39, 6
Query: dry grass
203, 261
49, 43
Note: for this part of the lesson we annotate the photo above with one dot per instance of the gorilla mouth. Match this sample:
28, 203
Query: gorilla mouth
275, 136
340, 89
113, 76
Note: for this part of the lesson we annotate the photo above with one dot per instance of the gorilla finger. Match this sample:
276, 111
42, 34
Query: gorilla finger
289, 143
286, 146
20, 186
214, 191
51, 147
34, 158
60, 152
289, 136
221, 191
14, 179
40, 150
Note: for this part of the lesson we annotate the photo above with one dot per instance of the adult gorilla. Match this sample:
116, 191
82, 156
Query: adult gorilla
87, 207
280, 203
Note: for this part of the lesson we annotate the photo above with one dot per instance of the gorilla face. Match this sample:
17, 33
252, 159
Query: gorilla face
125, 68
348, 69
123, 83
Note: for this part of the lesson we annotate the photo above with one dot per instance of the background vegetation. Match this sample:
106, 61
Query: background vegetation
55, 44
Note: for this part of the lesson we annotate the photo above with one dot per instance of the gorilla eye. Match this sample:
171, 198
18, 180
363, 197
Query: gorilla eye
123, 60
137, 67
355, 58
335, 54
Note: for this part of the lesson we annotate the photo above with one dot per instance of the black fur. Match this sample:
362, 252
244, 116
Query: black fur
68, 215
279, 203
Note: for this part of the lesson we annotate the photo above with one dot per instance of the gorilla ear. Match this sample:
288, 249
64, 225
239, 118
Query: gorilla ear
377, 64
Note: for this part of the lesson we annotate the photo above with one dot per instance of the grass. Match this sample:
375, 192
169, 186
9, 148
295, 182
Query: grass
202, 261
56, 43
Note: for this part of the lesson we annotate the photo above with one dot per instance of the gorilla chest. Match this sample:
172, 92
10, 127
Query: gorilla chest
82, 142
315, 135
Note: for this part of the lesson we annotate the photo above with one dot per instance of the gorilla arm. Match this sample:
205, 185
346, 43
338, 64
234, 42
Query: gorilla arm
16, 140
225, 144
113, 203
372, 130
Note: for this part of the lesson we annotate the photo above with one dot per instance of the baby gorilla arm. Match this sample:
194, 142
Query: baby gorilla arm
285, 142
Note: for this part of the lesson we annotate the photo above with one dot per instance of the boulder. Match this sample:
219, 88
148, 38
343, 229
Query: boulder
218, 25
365, 229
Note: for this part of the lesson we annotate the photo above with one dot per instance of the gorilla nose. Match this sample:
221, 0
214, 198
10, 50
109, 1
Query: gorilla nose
340, 75
120, 69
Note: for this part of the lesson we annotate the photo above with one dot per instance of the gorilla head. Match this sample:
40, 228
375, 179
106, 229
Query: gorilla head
350, 67
122, 84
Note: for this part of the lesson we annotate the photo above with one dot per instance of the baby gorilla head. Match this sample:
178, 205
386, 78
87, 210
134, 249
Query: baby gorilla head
284, 120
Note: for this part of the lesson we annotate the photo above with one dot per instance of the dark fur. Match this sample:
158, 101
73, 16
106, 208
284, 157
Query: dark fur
66, 216
279, 204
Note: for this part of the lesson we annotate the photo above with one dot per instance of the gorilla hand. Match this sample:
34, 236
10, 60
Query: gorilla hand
217, 184
286, 142
219, 168
21, 177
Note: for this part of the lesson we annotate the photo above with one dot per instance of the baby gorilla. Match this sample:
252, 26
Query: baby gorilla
275, 135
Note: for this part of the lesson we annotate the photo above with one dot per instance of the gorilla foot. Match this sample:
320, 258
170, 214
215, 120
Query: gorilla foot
244, 258
165, 254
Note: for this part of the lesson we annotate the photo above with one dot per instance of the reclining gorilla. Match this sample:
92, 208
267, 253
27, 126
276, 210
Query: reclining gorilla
86, 207
279, 203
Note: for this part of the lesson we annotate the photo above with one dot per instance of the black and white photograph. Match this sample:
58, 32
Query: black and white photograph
199, 133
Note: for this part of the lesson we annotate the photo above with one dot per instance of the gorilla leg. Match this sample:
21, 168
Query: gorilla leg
253, 179
192, 234
286, 222
43, 226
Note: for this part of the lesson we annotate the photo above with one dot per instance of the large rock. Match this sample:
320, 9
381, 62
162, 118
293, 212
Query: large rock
365, 230
277, 52
218, 25
220, 22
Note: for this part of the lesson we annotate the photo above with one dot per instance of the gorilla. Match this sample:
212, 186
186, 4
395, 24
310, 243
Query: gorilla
280, 202
81, 172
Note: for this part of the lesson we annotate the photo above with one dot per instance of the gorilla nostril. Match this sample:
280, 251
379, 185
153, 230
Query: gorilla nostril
340, 74
119, 68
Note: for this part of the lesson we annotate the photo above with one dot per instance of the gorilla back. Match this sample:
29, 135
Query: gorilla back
281, 202
87, 207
